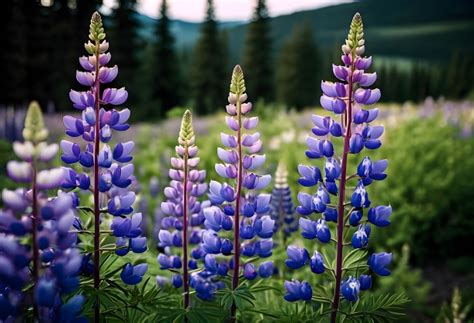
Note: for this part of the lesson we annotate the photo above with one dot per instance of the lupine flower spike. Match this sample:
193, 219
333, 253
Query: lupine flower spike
250, 212
283, 211
111, 172
182, 225
345, 99
53, 258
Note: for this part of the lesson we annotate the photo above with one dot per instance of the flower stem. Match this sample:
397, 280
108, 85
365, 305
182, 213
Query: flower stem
185, 229
96, 184
34, 238
342, 195
235, 275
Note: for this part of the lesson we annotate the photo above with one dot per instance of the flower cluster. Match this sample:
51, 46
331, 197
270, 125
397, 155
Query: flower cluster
29, 213
247, 215
344, 98
108, 165
283, 211
181, 225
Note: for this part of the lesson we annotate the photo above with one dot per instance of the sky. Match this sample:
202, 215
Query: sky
226, 10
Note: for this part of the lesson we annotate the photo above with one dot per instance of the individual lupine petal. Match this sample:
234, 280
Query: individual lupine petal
373, 113
360, 238
297, 257
247, 230
114, 96
262, 203
317, 263
365, 282
231, 109
355, 217
310, 175
121, 123
227, 156
306, 204
211, 242
177, 280
121, 204
250, 140
105, 157
246, 107
250, 123
333, 89
121, 175
250, 273
47, 152
264, 226
228, 140
138, 245
122, 152
263, 248
350, 289
108, 74
226, 171
214, 218
330, 214
24, 150
367, 96
226, 247
367, 79
86, 64
20, 172
262, 181
266, 269
378, 263
308, 228
49, 179
74, 126
380, 215
71, 152
255, 148
165, 238
365, 167
232, 123
321, 125
296, 291
346, 59
332, 169
360, 198
360, 116
363, 63
81, 100
335, 105
322, 231
340, 72
132, 275
85, 78
356, 143
254, 162
313, 145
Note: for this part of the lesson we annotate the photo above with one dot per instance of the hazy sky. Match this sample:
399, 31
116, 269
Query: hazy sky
194, 10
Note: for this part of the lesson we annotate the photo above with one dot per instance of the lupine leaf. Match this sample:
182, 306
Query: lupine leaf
383, 308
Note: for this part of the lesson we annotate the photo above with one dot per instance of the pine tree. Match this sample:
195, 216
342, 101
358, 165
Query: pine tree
209, 63
297, 69
257, 58
166, 83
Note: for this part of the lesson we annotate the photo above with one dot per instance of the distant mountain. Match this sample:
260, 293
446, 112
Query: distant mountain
428, 30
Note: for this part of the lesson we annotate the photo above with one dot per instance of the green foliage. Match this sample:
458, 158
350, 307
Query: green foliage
298, 72
257, 58
457, 312
375, 309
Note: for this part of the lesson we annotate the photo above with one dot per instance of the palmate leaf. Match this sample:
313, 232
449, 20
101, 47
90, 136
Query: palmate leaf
382, 308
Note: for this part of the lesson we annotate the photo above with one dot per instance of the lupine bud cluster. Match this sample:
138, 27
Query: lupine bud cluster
53, 259
345, 99
245, 214
283, 211
183, 219
108, 165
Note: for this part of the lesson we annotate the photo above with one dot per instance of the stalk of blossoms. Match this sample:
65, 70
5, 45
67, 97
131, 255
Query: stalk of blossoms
250, 211
182, 208
55, 262
345, 99
110, 168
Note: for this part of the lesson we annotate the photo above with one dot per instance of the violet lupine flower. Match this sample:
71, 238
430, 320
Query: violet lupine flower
107, 171
346, 99
244, 213
181, 226
54, 260
283, 211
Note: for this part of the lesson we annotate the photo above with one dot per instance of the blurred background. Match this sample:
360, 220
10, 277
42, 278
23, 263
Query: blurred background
179, 54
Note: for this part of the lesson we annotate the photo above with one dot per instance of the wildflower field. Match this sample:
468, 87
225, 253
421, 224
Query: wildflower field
349, 211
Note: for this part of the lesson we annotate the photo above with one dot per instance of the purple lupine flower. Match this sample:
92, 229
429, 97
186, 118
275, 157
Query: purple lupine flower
108, 166
296, 291
235, 205
181, 226
283, 211
346, 98
52, 263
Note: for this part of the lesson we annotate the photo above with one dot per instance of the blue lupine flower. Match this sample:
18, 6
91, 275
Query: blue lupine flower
365, 282
266, 269
283, 211
378, 262
380, 215
132, 275
296, 291
350, 289
346, 99
250, 272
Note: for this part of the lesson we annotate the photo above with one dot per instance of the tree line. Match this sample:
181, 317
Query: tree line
40, 53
